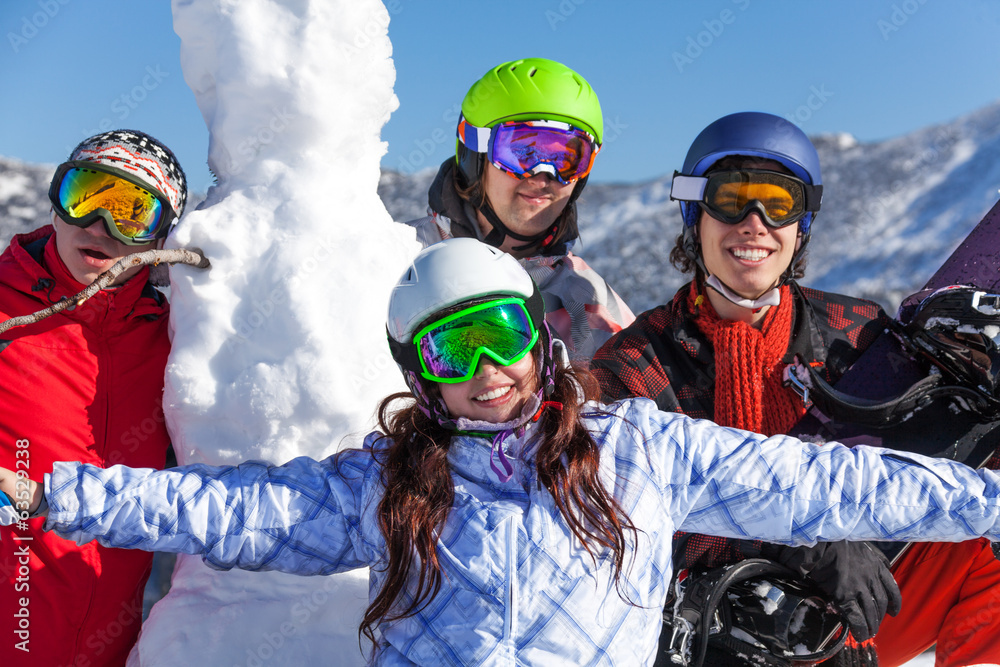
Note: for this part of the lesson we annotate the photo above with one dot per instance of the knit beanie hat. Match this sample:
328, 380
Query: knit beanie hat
141, 155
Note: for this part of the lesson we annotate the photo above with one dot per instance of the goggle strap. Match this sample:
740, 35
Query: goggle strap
404, 354
476, 139
814, 197
114, 171
688, 188
536, 307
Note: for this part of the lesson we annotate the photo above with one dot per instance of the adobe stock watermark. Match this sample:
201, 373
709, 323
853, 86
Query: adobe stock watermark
698, 43
22, 584
425, 148
901, 13
30, 25
885, 198
263, 309
944, 140
374, 369
613, 129
129, 617
134, 438
563, 11
814, 102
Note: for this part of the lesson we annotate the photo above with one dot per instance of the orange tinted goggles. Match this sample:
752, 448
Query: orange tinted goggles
730, 196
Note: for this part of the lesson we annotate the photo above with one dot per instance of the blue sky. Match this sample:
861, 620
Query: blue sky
663, 70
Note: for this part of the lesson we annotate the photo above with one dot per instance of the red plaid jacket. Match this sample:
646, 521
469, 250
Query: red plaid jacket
665, 357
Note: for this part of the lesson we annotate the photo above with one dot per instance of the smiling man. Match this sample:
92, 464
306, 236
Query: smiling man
527, 139
749, 193
85, 384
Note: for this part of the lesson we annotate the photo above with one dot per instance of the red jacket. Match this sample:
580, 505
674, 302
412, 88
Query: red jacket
83, 385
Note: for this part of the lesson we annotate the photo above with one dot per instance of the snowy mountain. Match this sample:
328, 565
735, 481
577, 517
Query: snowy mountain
892, 211
24, 200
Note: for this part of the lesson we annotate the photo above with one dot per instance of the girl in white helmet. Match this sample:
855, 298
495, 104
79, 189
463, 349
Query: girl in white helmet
507, 518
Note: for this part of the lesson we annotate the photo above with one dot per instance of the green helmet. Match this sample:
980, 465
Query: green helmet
527, 89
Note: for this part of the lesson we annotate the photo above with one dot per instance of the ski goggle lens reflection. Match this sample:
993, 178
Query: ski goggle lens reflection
450, 348
730, 195
524, 148
139, 216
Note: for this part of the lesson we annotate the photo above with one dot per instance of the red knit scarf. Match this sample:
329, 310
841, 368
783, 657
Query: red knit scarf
748, 371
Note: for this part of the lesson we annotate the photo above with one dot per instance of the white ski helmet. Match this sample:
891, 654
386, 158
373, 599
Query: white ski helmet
447, 274
452, 272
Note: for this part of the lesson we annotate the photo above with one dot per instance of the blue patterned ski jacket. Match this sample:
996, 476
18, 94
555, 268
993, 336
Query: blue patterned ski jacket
517, 589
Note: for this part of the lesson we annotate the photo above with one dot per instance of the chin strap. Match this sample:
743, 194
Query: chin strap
500, 232
771, 297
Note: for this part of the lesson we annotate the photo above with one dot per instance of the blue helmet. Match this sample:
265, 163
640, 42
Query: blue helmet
754, 134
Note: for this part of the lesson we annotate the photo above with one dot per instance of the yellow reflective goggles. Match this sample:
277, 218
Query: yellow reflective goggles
133, 213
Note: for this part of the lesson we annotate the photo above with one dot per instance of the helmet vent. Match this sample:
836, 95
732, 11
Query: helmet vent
533, 71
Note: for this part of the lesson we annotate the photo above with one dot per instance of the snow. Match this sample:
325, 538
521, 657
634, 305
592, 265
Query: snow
279, 349
769, 595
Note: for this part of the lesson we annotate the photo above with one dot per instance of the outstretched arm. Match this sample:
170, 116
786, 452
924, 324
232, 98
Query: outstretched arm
301, 517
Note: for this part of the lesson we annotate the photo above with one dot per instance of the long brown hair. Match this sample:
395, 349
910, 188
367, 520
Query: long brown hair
419, 491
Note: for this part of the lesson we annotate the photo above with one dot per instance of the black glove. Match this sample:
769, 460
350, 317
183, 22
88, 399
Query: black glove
854, 574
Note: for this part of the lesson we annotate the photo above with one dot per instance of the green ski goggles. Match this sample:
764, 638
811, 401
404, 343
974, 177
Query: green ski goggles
449, 349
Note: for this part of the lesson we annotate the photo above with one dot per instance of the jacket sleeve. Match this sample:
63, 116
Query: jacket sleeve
302, 517
733, 483
698, 550
615, 374
626, 366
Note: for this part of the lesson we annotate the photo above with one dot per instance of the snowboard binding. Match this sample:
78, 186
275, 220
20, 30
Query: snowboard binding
755, 612
955, 331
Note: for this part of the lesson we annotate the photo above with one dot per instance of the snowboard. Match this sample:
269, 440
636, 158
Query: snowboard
886, 369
